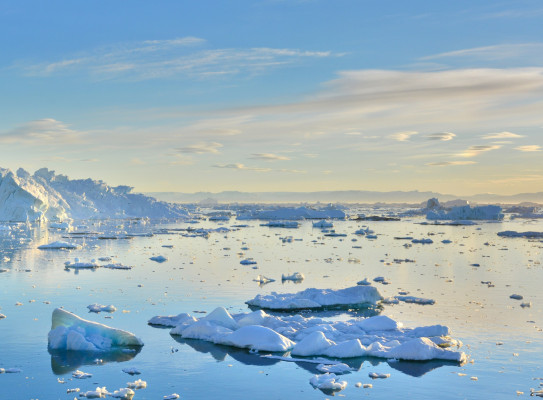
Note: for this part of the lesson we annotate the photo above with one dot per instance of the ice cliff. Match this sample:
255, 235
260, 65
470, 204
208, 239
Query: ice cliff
47, 196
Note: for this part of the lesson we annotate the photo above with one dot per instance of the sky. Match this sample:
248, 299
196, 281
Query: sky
276, 95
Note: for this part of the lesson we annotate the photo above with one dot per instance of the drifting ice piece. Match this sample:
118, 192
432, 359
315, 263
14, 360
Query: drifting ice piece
70, 332
59, 245
318, 298
467, 213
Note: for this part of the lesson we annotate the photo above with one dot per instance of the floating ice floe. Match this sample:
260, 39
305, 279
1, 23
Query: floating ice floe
98, 393
295, 277
337, 369
364, 282
282, 224
70, 332
515, 234
377, 336
138, 384
409, 299
173, 396
81, 375
463, 213
261, 279
323, 224
318, 298
116, 266
96, 308
422, 241
248, 261
290, 213
375, 375
59, 245
131, 371
10, 370
81, 264
159, 259
327, 381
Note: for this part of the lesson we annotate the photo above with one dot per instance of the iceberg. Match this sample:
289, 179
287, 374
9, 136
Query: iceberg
328, 381
70, 332
355, 296
48, 196
464, 213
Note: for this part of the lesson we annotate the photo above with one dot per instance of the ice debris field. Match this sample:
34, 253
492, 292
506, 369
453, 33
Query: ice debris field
152, 300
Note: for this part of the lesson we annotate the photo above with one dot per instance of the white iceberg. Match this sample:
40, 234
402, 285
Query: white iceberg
490, 212
378, 336
46, 195
318, 298
70, 332
96, 308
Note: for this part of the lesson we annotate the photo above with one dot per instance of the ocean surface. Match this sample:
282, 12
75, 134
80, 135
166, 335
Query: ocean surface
504, 341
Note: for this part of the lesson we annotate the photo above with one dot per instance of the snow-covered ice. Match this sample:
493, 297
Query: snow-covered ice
318, 298
328, 381
59, 244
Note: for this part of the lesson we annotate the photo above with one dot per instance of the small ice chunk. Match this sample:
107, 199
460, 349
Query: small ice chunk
59, 245
328, 382
173, 396
131, 371
123, 394
99, 393
296, 277
263, 279
248, 261
335, 368
364, 282
139, 384
375, 375
159, 259
96, 308
81, 375
516, 297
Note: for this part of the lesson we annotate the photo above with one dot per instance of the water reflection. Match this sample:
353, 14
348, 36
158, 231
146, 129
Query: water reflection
63, 362
415, 369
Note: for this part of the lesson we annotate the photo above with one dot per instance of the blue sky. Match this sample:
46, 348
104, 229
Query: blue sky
276, 95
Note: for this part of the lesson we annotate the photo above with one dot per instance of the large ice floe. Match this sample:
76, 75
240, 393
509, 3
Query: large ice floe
46, 195
377, 336
70, 332
318, 299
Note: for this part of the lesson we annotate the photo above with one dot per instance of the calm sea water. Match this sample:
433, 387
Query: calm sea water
504, 340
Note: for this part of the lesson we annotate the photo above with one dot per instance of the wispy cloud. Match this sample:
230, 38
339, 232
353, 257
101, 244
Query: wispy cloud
447, 163
502, 135
474, 151
403, 136
201, 148
529, 148
42, 131
494, 52
442, 136
152, 59
244, 167
268, 157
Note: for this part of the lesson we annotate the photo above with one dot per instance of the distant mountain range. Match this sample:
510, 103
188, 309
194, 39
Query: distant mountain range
348, 196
